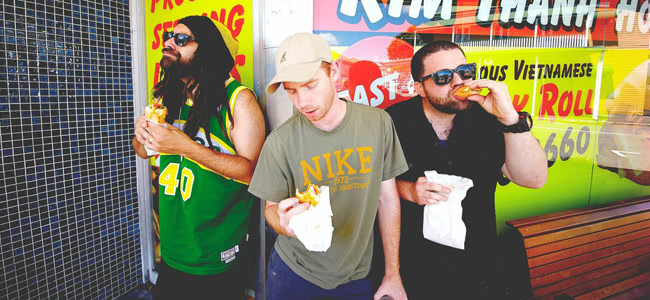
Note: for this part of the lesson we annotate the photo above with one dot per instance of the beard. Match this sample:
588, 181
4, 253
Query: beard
178, 67
448, 104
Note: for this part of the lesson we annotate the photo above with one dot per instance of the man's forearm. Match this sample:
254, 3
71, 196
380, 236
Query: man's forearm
389, 226
405, 189
232, 166
273, 219
525, 160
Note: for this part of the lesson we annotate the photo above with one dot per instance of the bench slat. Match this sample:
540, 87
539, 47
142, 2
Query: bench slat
598, 284
579, 231
631, 266
585, 219
575, 251
616, 288
584, 239
582, 220
639, 292
588, 262
573, 212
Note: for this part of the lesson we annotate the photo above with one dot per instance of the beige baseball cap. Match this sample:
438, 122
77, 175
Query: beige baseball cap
298, 59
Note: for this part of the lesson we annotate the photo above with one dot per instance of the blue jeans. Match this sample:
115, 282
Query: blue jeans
282, 283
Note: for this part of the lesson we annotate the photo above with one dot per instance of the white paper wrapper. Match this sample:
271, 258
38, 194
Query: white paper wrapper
149, 151
443, 222
313, 227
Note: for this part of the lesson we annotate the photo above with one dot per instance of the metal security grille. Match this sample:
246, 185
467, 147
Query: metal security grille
68, 196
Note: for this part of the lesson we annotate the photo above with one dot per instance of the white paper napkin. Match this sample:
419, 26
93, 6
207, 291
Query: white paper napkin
443, 222
149, 151
313, 227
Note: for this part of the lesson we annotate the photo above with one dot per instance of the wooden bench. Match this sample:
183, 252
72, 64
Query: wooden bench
589, 253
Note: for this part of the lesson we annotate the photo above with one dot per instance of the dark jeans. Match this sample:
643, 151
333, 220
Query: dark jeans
174, 284
283, 284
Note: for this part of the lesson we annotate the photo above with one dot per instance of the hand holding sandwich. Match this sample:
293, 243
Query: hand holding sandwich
497, 103
290, 207
286, 209
141, 136
155, 112
143, 139
169, 139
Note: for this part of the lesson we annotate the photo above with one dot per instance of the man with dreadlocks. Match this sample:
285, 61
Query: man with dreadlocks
208, 150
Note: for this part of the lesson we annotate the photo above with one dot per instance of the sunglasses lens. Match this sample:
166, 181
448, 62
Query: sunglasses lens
442, 77
167, 35
466, 71
181, 39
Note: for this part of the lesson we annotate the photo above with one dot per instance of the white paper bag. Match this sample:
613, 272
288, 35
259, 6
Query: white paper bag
443, 222
149, 151
313, 227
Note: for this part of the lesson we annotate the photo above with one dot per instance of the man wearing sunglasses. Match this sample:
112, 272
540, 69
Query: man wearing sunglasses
479, 137
208, 150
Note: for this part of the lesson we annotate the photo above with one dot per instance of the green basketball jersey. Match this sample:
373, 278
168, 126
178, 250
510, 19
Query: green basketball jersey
203, 214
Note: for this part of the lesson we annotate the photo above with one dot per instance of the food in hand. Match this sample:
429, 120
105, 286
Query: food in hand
156, 112
310, 195
313, 226
466, 91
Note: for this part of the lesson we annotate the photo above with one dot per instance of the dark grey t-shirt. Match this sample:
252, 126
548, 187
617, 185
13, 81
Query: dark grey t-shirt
353, 160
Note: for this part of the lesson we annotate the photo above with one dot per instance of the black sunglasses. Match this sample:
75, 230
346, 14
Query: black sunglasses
442, 77
179, 38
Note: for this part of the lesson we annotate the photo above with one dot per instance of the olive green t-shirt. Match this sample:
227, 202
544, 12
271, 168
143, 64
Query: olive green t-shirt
353, 160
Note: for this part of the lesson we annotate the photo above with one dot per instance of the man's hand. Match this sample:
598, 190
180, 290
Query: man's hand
526, 163
168, 139
141, 133
288, 208
140, 137
497, 103
391, 286
428, 192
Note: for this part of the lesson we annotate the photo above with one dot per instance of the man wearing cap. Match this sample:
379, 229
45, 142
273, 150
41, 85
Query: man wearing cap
208, 152
351, 148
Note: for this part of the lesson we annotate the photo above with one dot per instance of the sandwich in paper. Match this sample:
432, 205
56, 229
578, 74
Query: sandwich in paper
311, 195
313, 227
156, 113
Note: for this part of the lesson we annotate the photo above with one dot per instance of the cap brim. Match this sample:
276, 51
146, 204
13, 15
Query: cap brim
297, 73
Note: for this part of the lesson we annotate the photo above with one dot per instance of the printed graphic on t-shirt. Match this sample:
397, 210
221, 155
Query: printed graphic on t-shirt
337, 166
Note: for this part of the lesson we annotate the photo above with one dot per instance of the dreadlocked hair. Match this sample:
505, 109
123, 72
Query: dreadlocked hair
209, 96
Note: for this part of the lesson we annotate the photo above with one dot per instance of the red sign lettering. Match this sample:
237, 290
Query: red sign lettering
550, 94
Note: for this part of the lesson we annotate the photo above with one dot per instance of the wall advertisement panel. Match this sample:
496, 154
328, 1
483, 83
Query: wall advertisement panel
581, 70
162, 15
